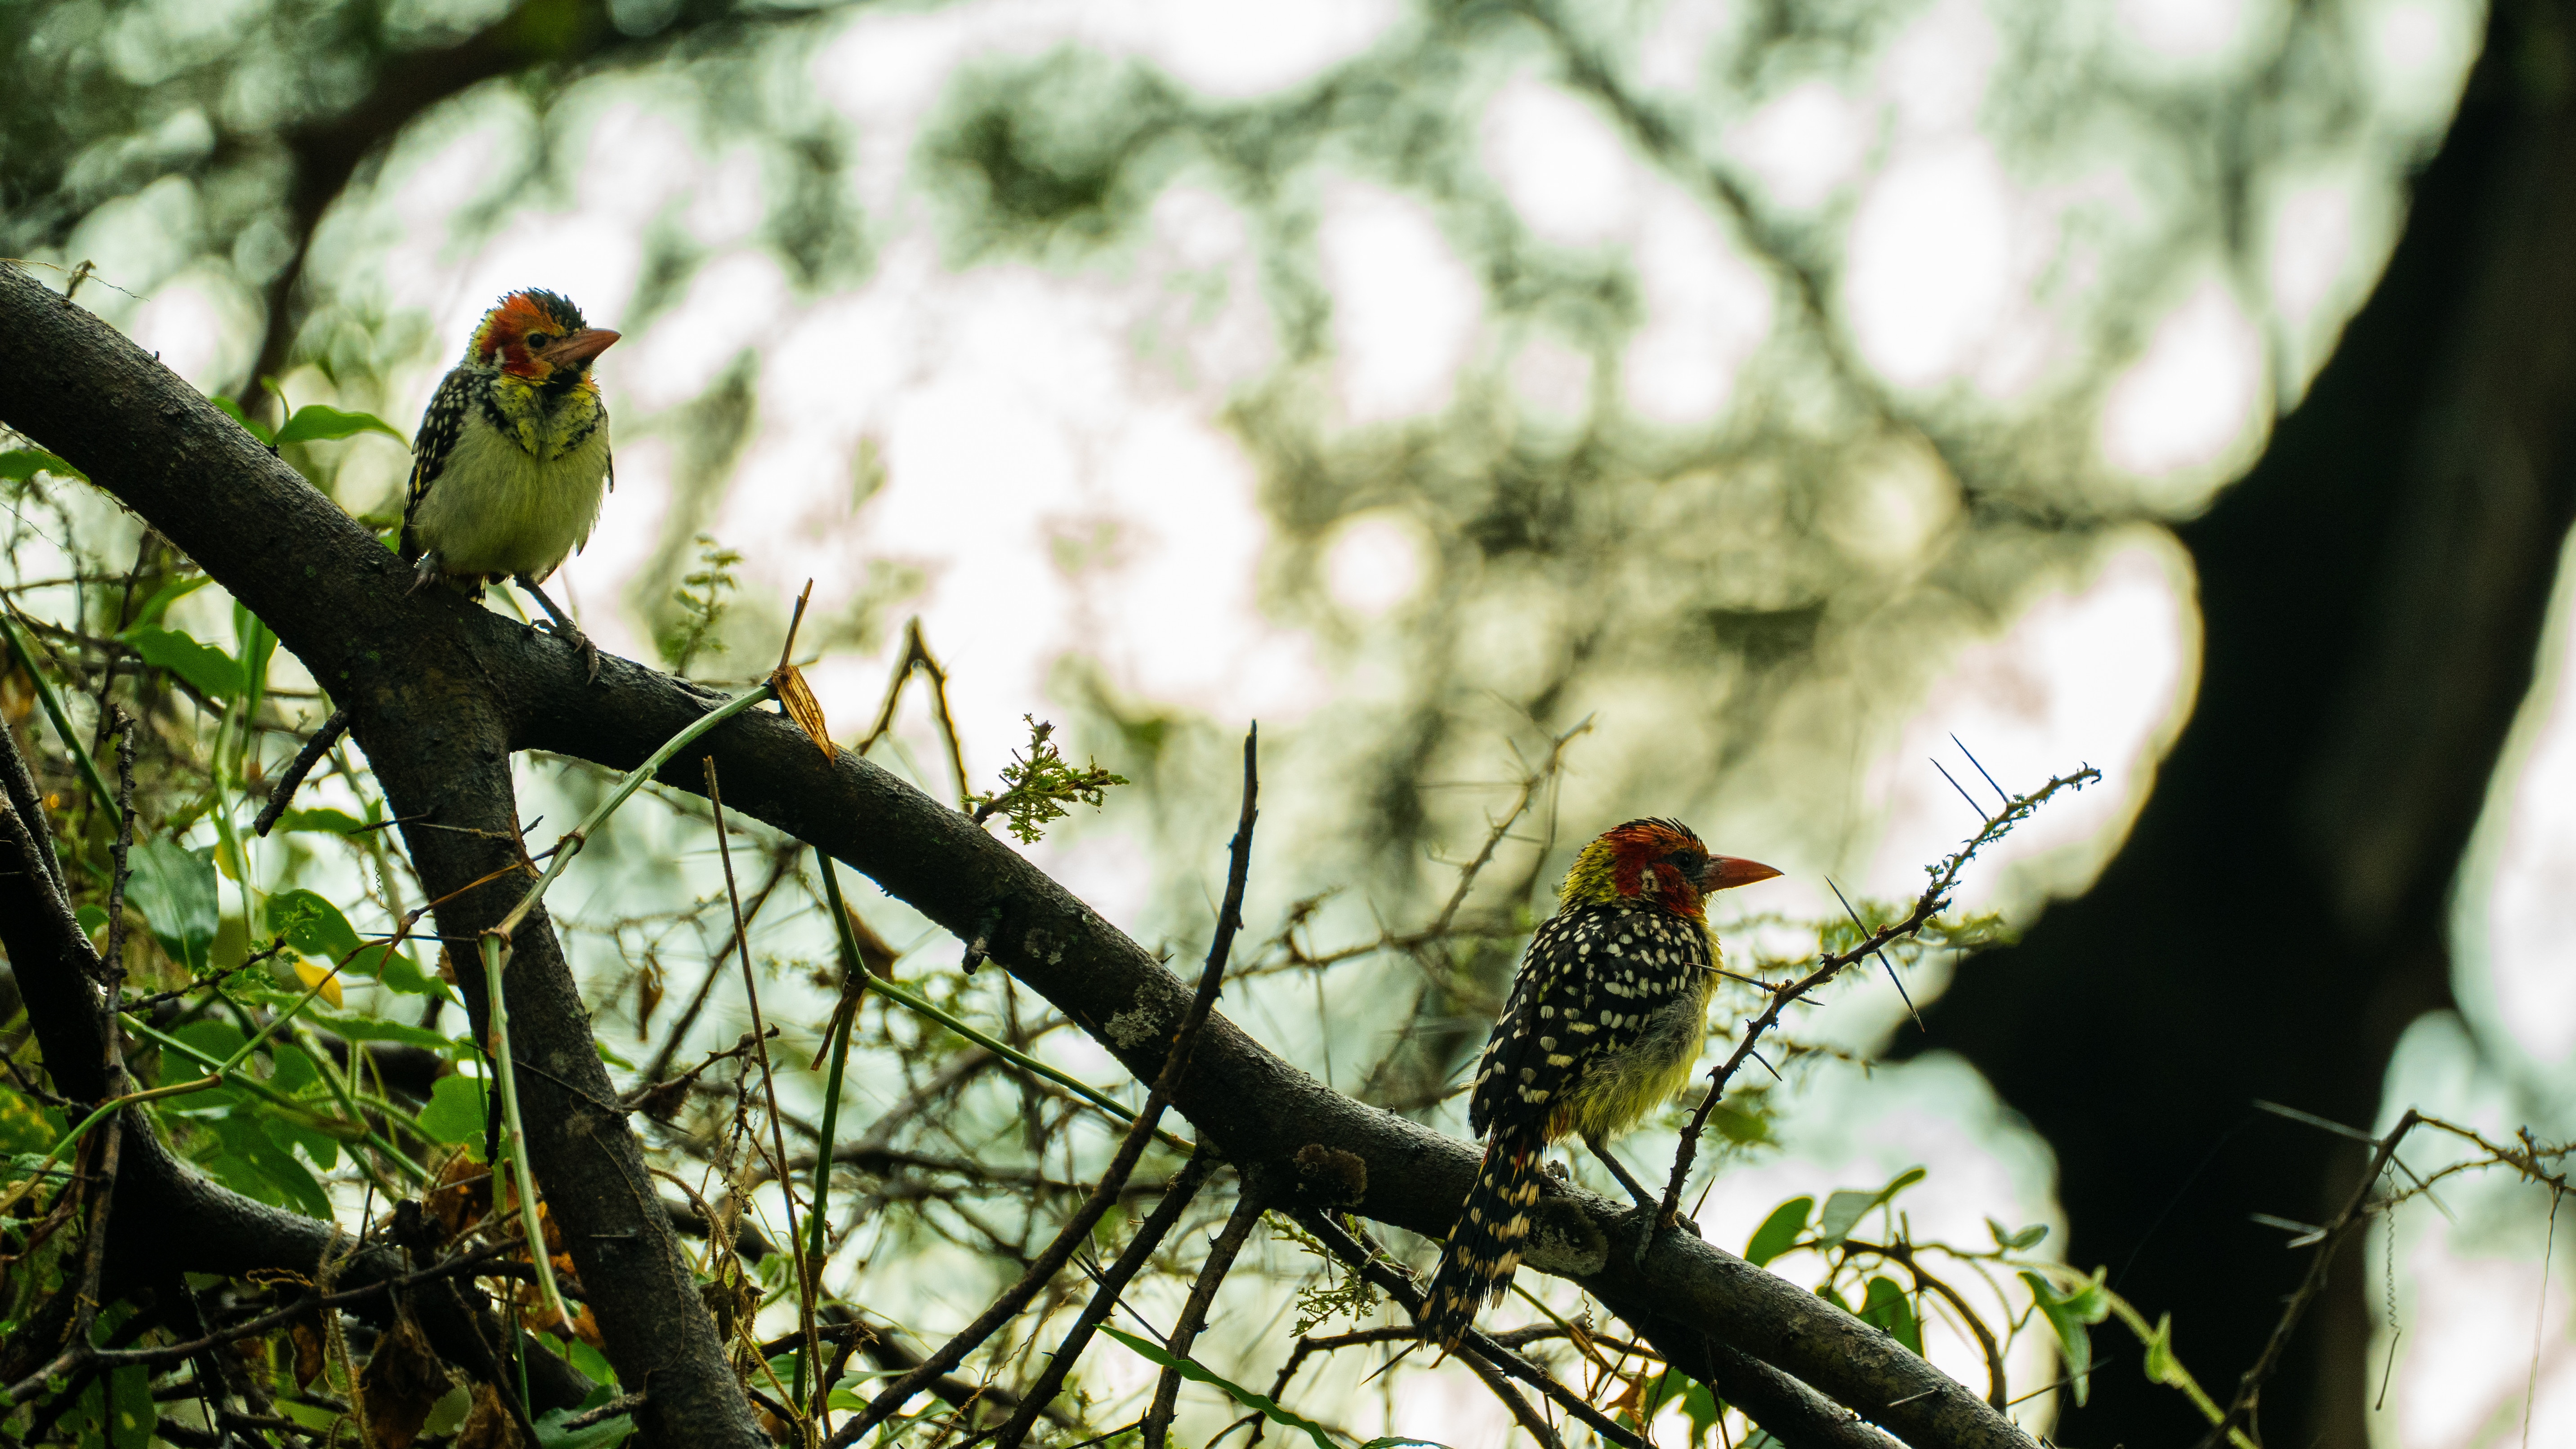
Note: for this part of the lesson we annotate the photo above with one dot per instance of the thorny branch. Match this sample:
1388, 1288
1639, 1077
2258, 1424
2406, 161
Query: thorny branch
1934, 899
1131, 1148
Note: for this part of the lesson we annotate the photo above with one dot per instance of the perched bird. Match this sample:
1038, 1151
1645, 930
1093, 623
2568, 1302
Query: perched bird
512, 459
1604, 1023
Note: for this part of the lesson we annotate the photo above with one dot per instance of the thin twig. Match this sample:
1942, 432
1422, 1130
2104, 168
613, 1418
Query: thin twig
1131, 1260
281, 793
1474, 1349
1185, 1330
1131, 1148
813, 1356
1935, 898
2249, 1390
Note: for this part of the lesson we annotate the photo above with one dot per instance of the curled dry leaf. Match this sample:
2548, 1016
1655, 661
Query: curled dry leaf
488, 1425
798, 700
402, 1381
307, 1338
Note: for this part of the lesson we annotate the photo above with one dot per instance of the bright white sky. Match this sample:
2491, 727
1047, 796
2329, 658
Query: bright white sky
1026, 415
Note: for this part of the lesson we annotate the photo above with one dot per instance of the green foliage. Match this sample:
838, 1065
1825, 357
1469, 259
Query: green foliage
1699, 1405
2071, 1314
1779, 1232
703, 597
311, 423
1337, 1290
1844, 1210
174, 888
2016, 1242
17, 465
1887, 1306
456, 1112
1040, 786
211, 671
312, 925
314, 423
1260, 1404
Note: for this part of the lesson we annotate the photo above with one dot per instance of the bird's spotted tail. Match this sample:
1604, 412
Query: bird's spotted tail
1485, 1245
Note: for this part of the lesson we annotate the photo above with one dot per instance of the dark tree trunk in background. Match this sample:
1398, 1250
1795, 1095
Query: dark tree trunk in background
2373, 593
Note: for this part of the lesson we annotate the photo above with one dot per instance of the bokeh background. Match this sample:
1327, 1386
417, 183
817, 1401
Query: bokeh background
1798, 393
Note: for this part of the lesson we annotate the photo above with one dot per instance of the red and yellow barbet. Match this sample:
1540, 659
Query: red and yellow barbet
512, 459
1604, 1024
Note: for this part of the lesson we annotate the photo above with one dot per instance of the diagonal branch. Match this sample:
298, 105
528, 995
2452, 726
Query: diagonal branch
444, 690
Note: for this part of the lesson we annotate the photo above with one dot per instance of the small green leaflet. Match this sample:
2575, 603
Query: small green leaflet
608, 1432
311, 925
17, 465
168, 594
1258, 1403
2162, 1366
232, 410
1844, 1210
2028, 1237
174, 888
314, 422
321, 818
210, 669
455, 1113
351, 1027
1778, 1231
2070, 1315
1887, 1307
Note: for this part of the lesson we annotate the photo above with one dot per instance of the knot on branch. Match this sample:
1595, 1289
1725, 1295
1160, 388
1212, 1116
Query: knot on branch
1331, 1177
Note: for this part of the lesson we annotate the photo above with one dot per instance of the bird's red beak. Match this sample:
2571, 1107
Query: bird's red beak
1725, 873
577, 349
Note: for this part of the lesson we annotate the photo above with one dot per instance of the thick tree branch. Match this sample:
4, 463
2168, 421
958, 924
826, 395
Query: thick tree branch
443, 691
56, 970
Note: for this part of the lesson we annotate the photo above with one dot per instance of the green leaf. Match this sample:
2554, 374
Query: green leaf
1889, 1308
312, 925
168, 594
323, 819
352, 1027
93, 920
17, 465
2015, 1242
1736, 1125
2162, 1366
398, 972
1844, 1210
551, 1433
174, 888
256, 644
2069, 1315
1259, 1403
210, 669
1778, 1231
248, 1145
23, 1128
131, 1418
314, 422
233, 411
455, 1114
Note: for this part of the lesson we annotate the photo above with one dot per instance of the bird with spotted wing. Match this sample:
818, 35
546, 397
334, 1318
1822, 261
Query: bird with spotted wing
512, 460
1604, 1023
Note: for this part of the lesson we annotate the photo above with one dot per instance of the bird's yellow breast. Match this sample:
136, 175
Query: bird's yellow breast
519, 497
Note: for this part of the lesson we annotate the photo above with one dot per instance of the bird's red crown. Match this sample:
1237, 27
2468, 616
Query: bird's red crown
540, 336
1658, 862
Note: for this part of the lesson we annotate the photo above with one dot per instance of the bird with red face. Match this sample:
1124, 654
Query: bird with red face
1603, 1026
512, 463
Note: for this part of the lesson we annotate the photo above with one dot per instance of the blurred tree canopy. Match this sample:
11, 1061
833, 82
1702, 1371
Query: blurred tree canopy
1727, 445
